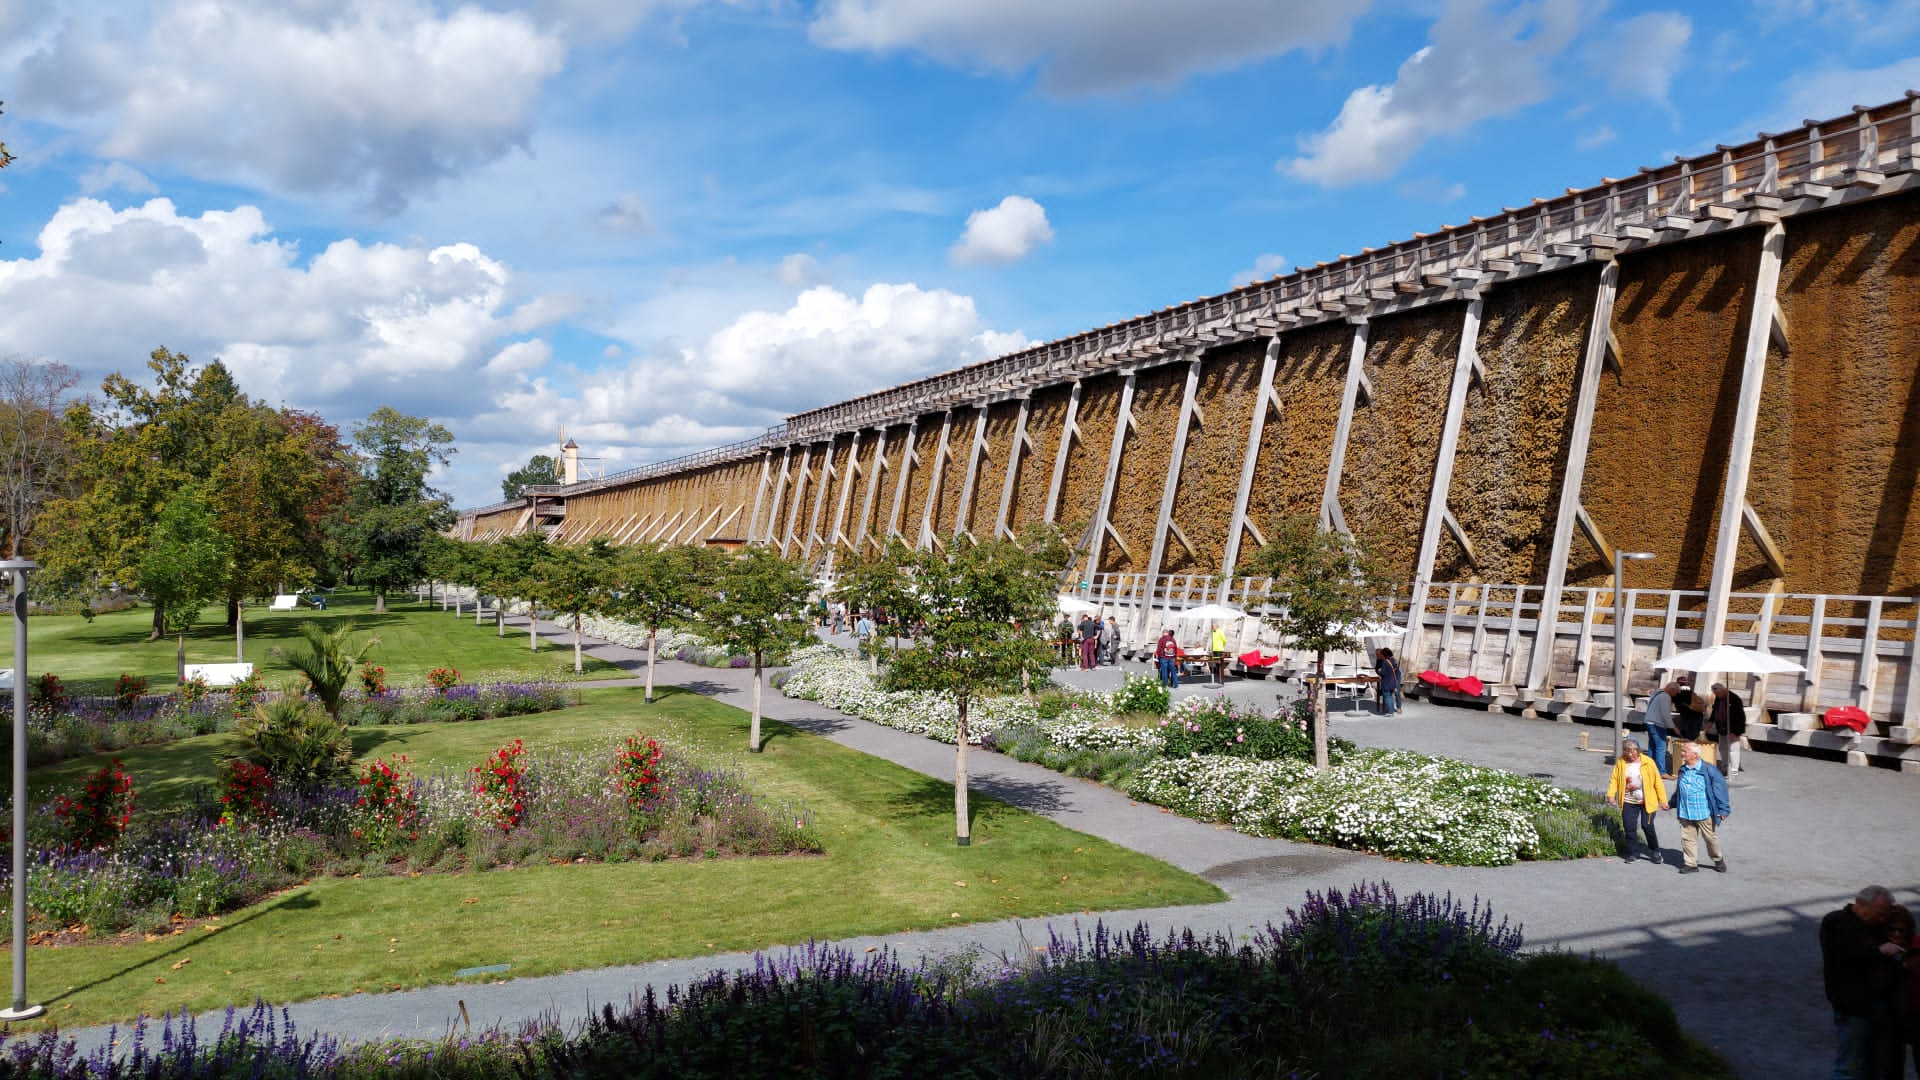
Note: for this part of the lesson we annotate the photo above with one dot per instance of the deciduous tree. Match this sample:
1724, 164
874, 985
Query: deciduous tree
540, 469
757, 606
660, 587
185, 567
393, 510
36, 449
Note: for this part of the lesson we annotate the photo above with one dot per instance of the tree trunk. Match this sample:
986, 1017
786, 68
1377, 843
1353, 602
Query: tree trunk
1320, 712
239, 635
379, 601
500, 616
576, 643
753, 733
159, 624
456, 606
180, 657
477, 605
963, 836
233, 611
653, 653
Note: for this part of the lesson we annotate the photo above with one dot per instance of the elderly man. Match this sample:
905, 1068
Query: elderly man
1700, 801
1659, 720
1858, 965
1728, 718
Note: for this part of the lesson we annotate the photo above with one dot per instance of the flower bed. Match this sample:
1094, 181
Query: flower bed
1216, 760
223, 851
460, 702
1354, 984
674, 644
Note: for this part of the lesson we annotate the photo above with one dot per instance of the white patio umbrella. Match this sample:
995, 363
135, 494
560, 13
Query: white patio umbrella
1730, 660
1072, 605
1212, 613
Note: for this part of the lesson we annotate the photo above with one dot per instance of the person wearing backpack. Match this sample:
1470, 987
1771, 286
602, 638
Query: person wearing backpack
1385, 666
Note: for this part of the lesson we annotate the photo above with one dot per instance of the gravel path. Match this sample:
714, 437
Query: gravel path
1736, 953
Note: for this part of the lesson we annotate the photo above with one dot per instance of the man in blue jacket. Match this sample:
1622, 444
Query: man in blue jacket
1700, 801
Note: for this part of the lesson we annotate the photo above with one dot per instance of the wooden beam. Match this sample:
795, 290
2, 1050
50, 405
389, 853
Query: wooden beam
800, 479
1769, 550
1465, 359
1122, 423
828, 474
1170, 487
1263, 401
837, 534
1816, 657
1330, 515
779, 495
875, 473
760, 491
937, 477
974, 454
1016, 457
1599, 332
902, 476
1069, 431
1745, 420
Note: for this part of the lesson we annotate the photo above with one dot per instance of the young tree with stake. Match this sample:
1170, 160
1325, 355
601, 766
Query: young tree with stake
757, 605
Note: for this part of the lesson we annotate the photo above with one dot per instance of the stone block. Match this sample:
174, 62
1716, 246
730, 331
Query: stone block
1797, 721
1857, 758
1569, 695
1909, 765
1904, 734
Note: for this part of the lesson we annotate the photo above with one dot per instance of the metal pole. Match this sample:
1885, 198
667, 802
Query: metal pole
1622, 641
20, 1010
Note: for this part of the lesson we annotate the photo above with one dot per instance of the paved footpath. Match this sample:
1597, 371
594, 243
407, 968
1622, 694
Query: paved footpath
1736, 953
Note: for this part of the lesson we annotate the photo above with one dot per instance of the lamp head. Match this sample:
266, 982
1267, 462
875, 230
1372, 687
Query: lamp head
1636, 554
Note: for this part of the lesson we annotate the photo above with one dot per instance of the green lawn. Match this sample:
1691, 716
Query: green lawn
415, 637
890, 864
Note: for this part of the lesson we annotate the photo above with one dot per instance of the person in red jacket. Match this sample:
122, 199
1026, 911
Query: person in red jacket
1166, 653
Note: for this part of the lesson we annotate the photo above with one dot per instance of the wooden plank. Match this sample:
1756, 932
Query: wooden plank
935, 479
1478, 642
800, 479
1769, 550
974, 454
875, 473
1910, 714
1122, 425
779, 494
1464, 361
1016, 456
1446, 629
1170, 487
1869, 678
1330, 515
902, 476
1264, 401
760, 491
1762, 635
1583, 654
837, 533
1745, 420
1592, 361
1069, 432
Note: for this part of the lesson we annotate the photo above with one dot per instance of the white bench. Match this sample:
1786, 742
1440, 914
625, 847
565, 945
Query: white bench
219, 674
286, 602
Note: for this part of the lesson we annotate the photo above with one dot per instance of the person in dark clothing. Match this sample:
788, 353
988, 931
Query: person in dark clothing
1388, 669
1728, 720
1859, 965
1689, 713
1089, 642
1904, 1041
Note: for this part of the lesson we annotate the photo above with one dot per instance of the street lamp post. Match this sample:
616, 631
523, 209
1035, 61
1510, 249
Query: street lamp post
1622, 641
20, 1010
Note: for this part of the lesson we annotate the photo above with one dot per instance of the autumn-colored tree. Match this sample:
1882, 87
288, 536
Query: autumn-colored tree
36, 450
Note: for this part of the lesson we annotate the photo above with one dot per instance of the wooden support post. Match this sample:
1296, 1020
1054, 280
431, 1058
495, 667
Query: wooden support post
799, 497
934, 481
1171, 487
1069, 432
1101, 527
1016, 456
1479, 640
1910, 714
1623, 641
875, 472
1583, 656
1746, 418
978, 450
1869, 680
779, 495
1592, 361
1263, 402
1810, 679
1330, 514
1446, 628
902, 478
838, 534
1466, 359
760, 491
1762, 634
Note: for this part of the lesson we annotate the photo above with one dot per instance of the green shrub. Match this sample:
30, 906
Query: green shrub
329, 660
298, 744
1587, 829
1139, 694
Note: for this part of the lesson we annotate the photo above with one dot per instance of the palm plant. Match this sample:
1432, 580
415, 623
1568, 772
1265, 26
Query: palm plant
329, 661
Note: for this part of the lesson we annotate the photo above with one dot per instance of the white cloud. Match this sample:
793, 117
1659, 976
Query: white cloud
1006, 233
627, 214
1640, 56
1431, 189
1087, 46
377, 98
801, 268
116, 174
358, 325
1264, 267
1825, 93
1598, 137
1479, 62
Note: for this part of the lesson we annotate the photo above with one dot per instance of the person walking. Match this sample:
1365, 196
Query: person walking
1388, 669
1636, 789
1700, 800
1166, 654
1089, 642
1110, 641
1728, 719
1858, 966
1065, 635
1659, 721
863, 632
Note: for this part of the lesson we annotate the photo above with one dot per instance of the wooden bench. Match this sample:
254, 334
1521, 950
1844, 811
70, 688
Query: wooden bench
219, 674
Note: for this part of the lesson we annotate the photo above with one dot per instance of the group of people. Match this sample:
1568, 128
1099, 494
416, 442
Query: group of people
1097, 641
1717, 721
1167, 655
1872, 977
1699, 799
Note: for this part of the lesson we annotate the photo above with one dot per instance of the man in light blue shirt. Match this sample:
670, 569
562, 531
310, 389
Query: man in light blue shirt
1700, 801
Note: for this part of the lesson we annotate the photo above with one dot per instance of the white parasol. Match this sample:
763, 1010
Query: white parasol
1071, 605
1728, 659
1212, 613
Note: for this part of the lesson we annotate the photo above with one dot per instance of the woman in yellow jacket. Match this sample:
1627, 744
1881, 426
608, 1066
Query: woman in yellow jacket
1636, 789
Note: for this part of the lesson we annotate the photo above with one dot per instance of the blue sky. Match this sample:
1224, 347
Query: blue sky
664, 226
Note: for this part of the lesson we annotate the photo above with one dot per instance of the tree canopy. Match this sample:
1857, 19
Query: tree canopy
757, 605
540, 469
392, 510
